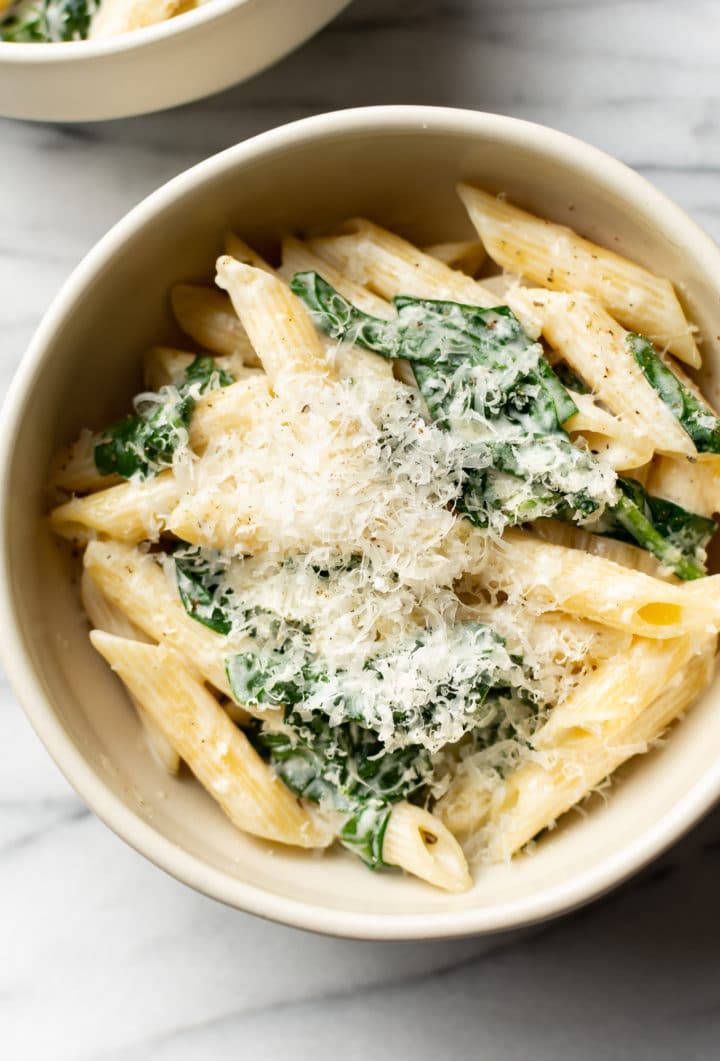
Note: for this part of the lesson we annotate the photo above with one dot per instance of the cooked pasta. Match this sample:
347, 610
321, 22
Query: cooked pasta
385, 568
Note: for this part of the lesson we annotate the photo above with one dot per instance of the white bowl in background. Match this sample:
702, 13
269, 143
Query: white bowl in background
192, 55
399, 166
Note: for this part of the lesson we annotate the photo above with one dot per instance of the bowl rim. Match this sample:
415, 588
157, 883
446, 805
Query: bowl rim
60, 52
581, 887
74, 51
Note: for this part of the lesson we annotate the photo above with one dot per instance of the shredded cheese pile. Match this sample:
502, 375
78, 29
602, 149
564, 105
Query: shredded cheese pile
343, 494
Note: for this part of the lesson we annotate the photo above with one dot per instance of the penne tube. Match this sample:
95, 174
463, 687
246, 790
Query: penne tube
278, 324
418, 842
608, 436
217, 752
298, 257
601, 642
389, 265
207, 316
594, 588
622, 553
538, 793
163, 365
349, 361
243, 252
554, 778
105, 616
135, 583
228, 408
130, 512
73, 467
613, 695
555, 257
212, 523
466, 255
123, 16
596, 348
695, 485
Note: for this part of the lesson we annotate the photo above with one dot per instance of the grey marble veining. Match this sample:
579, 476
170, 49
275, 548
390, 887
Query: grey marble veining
104, 957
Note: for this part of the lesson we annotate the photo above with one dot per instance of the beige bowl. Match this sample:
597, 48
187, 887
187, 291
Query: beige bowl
187, 57
398, 165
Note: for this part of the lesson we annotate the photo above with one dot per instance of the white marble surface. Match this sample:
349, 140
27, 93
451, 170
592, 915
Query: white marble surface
101, 955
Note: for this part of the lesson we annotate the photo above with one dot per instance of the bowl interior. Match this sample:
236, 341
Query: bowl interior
87, 364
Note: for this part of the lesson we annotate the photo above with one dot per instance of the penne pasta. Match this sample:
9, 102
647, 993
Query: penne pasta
387, 264
615, 694
693, 484
537, 794
129, 512
105, 616
613, 715
595, 347
592, 587
232, 408
276, 321
217, 752
135, 583
608, 436
555, 257
466, 255
163, 365
207, 316
617, 552
419, 843
243, 252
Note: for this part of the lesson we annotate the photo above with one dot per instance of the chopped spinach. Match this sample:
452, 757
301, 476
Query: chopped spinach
570, 379
677, 538
697, 418
145, 443
48, 21
345, 767
483, 378
199, 574
329, 748
480, 677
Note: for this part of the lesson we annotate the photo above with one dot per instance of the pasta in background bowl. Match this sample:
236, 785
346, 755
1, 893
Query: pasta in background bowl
640, 641
89, 60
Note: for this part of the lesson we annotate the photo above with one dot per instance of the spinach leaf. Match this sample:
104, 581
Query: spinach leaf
46, 21
694, 415
347, 768
448, 336
200, 574
143, 444
273, 677
467, 677
484, 379
570, 379
677, 538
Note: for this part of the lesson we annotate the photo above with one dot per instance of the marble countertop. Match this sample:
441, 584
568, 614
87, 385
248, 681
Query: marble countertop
104, 957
